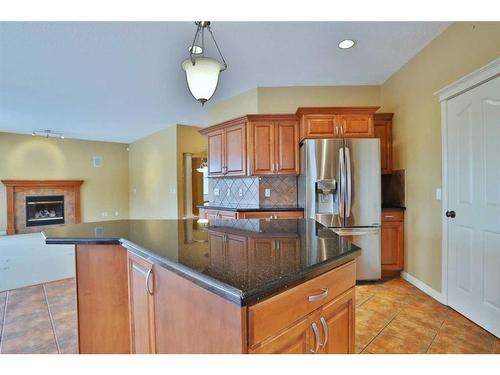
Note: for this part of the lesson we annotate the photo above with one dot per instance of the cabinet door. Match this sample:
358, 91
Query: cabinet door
318, 126
142, 319
293, 340
287, 147
235, 149
336, 324
392, 238
355, 126
262, 151
216, 153
383, 131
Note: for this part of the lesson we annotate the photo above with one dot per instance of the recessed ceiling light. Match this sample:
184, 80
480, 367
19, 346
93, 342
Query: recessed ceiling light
346, 44
197, 50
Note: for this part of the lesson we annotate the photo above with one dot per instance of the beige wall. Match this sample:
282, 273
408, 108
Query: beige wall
189, 140
153, 176
460, 49
288, 99
245, 103
105, 189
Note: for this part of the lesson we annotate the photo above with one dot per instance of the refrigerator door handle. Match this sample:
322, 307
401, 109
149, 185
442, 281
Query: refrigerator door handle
342, 182
348, 182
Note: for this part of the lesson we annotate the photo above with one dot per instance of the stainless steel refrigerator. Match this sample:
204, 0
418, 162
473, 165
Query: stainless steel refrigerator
339, 186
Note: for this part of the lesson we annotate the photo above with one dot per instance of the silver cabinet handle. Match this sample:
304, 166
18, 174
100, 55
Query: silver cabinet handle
317, 339
341, 129
336, 130
325, 330
317, 297
148, 275
277, 167
388, 216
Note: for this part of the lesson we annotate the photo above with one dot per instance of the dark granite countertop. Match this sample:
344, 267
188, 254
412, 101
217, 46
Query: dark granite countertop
247, 207
192, 249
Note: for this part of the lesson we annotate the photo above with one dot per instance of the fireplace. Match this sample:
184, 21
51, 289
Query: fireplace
44, 210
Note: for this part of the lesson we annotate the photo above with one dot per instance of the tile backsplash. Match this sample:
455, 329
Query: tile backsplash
251, 190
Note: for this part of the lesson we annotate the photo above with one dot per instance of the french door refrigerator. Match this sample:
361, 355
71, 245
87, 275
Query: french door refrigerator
339, 186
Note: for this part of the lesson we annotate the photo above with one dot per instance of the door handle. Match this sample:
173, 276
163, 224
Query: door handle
342, 183
325, 330
317, 339
317, 297
451, 214
148, 275
348, 182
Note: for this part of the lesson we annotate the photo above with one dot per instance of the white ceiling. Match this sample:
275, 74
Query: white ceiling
119, 81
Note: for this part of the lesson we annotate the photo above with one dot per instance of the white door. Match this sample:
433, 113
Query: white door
474, 195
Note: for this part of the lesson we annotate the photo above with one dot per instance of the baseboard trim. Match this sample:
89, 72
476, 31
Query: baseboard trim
423, 287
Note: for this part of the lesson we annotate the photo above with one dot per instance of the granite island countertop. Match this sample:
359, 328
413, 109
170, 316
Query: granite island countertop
243, 274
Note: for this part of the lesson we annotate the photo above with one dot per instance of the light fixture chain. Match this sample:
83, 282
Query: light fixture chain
217, 46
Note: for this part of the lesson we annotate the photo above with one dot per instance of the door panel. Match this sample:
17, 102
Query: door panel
319, 126
356, 126
473, 178
216, 153
383, 131
339, 328
263, 153
235, 150
363, 206
141, 306
293, 340
287, 147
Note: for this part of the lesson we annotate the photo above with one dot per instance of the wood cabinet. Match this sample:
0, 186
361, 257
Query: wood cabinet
273, 145
392, 239
212, 214
142, 316
383, 131
271, 215
336, 122
227, 149
292, 340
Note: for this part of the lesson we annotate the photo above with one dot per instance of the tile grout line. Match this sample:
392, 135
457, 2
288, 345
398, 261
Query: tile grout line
437, 333
4, 317
51, 320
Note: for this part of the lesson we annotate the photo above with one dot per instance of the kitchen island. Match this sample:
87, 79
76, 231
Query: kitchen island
219, 286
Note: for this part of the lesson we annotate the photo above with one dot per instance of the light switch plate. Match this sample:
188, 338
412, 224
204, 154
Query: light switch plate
97, 160
228, 193
439, 194
267, 193
240, 192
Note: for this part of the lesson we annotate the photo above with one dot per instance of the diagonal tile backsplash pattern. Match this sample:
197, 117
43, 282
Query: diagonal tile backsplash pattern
251, 191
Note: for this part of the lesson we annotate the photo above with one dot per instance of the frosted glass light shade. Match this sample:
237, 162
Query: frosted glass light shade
202, 77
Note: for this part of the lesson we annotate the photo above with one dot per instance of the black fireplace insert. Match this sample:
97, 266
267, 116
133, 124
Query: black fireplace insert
44, 210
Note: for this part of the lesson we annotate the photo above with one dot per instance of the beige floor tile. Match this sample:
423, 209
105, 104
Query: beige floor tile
27, 324
372, 318
446, 343
388, 344
404, 327
364, 335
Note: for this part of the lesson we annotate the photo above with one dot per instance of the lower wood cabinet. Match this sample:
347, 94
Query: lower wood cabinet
212, 214
392, 239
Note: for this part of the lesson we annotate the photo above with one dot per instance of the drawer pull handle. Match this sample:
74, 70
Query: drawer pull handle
325, 330
388, 216
320, 296
317, 339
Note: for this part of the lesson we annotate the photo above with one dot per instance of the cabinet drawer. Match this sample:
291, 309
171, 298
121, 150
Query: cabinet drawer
271, 215
273, 314
392, 215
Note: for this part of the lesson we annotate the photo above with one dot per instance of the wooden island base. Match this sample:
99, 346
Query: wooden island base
126, 304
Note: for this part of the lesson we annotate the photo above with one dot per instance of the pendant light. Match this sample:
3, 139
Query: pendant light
202, 73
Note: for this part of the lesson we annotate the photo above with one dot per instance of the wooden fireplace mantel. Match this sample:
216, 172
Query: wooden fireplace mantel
15, 186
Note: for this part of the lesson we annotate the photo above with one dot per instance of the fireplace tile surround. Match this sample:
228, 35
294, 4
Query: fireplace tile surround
18, 190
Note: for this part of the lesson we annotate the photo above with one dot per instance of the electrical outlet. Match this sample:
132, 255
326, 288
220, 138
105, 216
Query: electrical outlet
228, 192
104, 214
240, 192
117, 213
267, 193
172, 190
216, 192
97, 160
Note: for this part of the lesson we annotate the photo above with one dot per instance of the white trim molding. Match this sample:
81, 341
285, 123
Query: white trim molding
423, 287
477, 77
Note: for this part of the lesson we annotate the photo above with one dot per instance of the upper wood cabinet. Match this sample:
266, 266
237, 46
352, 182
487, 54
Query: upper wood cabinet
383, 131
254, 145
227, 148
336, 122
273, 145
